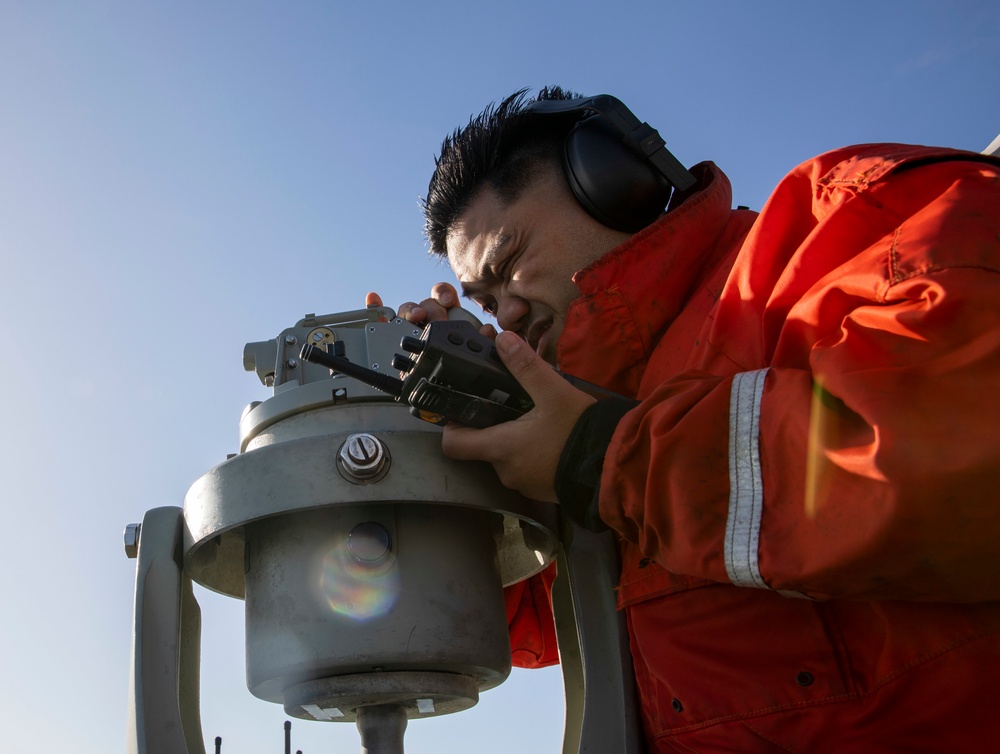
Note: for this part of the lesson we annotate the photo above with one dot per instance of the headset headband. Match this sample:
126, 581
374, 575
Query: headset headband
640, 137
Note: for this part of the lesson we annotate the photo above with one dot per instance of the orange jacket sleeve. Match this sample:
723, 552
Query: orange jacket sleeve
857, 453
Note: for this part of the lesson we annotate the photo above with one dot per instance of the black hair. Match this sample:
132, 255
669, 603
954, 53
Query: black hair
503, 148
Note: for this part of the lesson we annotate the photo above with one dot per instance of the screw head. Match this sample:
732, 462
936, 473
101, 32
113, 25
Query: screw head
363, 458
290, 340
362, 449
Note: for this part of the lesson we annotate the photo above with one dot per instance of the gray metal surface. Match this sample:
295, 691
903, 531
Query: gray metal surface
297, 470
163, 714
293, 454
314, 609
602, 712
381, 728
339, 697
994, 147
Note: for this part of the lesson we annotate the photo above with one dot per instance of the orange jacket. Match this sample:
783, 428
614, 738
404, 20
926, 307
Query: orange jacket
808, 491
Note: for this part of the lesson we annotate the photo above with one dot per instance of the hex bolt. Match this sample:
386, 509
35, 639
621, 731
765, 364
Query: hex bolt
363, 457
132, 540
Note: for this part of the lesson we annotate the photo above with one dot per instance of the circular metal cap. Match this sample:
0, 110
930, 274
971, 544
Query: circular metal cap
369, 542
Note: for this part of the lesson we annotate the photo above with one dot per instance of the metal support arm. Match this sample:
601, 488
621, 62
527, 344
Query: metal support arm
164, 713
601, 705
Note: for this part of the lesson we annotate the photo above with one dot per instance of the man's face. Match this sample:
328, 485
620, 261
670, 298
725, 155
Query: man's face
517, 260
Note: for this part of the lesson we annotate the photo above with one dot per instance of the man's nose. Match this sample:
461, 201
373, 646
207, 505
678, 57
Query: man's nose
512, 312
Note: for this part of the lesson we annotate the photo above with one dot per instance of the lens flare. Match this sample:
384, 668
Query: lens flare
357, 588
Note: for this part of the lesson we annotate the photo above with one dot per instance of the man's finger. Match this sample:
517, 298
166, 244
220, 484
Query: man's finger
434, 309
373, 299
445, 294
532, 372
412, 312
465, 443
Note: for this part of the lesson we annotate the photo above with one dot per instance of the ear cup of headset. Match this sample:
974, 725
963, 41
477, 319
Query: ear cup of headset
617, 186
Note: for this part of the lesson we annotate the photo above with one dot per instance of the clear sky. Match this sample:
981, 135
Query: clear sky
177, 179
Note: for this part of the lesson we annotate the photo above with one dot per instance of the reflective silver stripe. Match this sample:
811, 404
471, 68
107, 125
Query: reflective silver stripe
746, 489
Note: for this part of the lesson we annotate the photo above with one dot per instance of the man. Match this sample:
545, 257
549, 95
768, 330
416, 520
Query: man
806, 484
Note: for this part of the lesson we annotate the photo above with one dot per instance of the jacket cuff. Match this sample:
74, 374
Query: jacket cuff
578, 476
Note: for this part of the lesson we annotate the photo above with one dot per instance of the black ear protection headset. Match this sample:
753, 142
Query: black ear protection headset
618, 168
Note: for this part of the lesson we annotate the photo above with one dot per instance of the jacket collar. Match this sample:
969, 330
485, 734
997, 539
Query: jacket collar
631, 295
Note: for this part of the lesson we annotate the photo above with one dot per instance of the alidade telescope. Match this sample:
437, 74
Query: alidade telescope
372, 567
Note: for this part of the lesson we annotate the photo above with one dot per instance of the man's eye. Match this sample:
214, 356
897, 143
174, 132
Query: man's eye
489, 306
503, 269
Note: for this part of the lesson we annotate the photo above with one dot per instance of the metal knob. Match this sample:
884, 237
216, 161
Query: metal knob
413, 345
363, 458
403, 363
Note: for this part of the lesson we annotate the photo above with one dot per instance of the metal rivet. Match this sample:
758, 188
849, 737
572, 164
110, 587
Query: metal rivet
804, 678
676, 704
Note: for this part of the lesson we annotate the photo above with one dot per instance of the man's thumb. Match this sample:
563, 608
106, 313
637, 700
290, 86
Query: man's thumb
527, 367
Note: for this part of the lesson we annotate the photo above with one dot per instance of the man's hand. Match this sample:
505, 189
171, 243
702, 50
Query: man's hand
443, 297
525, 452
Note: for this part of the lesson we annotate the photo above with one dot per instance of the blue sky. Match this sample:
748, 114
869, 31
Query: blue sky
177, 179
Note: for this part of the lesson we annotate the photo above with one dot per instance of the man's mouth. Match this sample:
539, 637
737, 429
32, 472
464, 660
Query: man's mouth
536, 335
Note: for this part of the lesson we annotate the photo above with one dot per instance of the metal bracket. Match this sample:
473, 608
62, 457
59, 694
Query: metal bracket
163, 714
602, 713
